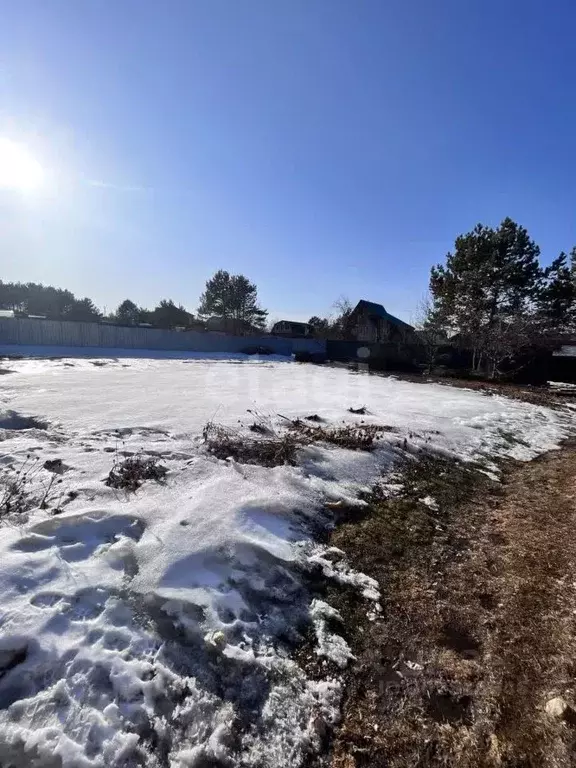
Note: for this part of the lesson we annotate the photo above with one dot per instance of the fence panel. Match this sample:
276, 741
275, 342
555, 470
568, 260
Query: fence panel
56, 333
309, 345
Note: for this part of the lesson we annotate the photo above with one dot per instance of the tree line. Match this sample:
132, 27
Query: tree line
233, 298
230, 297
44, 300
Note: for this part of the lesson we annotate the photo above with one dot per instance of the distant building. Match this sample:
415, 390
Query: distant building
291, 328
6, 313
371, 323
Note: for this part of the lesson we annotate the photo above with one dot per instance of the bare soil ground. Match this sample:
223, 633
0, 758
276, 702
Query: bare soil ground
478, 630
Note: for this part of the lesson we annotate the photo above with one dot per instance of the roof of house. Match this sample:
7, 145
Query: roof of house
378, 309
292, 322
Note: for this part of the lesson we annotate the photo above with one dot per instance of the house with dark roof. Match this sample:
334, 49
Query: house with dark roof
370, 322
291, 328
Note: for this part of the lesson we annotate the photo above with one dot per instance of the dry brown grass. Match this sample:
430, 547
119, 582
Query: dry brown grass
478, 620
130, 473
265, 446
15, 494
361, 437
262, 446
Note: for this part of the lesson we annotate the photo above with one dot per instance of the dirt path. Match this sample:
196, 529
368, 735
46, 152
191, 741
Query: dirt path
479, 621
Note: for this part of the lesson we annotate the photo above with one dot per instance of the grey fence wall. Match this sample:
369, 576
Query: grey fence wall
55, 333
308, 345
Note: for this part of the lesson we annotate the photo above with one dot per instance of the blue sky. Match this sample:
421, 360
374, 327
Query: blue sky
321, 147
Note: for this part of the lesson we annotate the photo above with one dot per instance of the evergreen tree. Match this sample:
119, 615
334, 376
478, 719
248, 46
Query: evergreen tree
12, 296
83, 310
217, 297
168, 315
492, 273
492, 278
36, 299
320, 326
232, 297
128, 313
54, 303
557, 300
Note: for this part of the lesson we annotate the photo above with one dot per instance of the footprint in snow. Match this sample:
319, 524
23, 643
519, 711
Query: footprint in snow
78, 537
86, 604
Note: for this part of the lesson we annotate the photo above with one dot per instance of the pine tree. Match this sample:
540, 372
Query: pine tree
13, 296
168, 315
83, 310
557, 300
320, 326
232, 297
128, 313
217, 297
54, 303
492, 278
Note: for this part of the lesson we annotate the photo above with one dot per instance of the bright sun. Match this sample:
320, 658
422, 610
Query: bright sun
18, 169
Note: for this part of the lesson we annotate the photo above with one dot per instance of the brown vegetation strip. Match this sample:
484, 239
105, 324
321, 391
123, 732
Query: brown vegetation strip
266, 447
479, 620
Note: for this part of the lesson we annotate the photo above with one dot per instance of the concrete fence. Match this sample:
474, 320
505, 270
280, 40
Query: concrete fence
56, 333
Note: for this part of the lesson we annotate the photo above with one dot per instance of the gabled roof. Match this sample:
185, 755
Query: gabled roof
292, 322
378, 309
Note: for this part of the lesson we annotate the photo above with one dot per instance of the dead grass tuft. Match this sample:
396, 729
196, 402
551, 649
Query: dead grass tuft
350, 436
15, 497
20, 490
131, 472
265, 447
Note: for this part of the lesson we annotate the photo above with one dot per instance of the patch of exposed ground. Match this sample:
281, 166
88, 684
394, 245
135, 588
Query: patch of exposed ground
478, 627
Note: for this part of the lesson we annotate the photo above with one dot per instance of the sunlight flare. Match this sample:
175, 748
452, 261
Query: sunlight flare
19, 170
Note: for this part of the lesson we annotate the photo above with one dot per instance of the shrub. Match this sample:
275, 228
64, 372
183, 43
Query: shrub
129, 474
266, 450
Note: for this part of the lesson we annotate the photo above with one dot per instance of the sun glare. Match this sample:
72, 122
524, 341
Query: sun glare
18, 169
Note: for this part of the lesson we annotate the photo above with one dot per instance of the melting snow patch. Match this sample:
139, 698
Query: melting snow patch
156, 627
330, 645
339, 571
430, 502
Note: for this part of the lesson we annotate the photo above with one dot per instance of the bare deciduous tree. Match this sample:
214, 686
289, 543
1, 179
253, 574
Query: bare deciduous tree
428, 330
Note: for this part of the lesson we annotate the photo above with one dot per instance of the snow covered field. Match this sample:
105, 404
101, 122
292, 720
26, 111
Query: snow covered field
154, 628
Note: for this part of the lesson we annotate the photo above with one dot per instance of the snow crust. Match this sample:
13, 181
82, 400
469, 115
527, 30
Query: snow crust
155, 628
